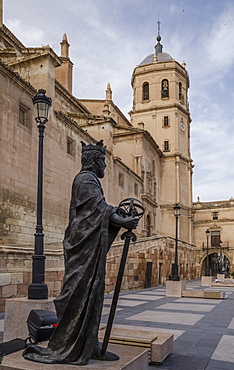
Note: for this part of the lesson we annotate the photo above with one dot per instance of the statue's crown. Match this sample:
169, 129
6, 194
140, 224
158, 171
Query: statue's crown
98, 146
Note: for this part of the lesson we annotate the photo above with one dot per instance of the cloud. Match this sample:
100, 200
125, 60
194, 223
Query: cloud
220, 40
28, 35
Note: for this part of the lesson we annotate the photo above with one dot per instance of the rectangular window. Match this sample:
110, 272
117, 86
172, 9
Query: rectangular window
166, 146
215, 239
165, 121
70, 147
121, 179
136, 190
215, 216
24, 116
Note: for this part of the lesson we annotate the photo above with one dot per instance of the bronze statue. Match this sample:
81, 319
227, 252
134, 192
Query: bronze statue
93, 225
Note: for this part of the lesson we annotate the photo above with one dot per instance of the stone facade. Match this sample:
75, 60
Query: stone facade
149, 263
148, 157
217, 218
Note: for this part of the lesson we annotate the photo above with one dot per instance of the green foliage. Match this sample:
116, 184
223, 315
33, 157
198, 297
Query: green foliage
232, 273
1, 358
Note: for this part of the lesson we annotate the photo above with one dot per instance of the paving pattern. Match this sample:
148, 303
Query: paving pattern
203, 328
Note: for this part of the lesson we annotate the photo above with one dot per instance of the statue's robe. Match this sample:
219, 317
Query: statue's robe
79, 305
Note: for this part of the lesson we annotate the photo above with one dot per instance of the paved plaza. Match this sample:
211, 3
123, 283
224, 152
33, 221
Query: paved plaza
203, 328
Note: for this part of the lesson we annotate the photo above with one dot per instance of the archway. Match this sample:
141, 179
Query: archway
217, 263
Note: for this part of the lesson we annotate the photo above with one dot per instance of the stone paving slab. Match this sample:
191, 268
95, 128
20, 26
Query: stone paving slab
153, 292
187, 307
149, 297
231, 325
125, 302
172, 317
224, 350
198, 300
106, 310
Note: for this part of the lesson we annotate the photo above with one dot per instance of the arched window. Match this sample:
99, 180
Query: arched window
165, 89
147, 225
180, 90
145, 91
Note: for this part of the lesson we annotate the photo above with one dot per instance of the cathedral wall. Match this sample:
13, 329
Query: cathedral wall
101, 131
156, 250
15, 264
39, 72
19, 150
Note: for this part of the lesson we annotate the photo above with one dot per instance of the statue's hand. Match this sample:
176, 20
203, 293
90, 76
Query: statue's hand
130, 222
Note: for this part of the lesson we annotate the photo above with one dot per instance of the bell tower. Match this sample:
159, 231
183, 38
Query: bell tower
160, 100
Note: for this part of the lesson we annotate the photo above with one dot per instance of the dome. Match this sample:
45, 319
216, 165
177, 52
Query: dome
161, 57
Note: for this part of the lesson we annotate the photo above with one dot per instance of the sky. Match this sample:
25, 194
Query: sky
108, 38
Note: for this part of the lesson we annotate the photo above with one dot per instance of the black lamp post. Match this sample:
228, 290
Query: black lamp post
38, 289
220, 261
207, 254
175, 275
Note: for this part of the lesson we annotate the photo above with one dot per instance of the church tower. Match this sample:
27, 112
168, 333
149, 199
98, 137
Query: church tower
160, 101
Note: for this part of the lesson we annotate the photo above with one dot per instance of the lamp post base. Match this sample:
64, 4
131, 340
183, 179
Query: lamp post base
174, 275
175, 278
38, 291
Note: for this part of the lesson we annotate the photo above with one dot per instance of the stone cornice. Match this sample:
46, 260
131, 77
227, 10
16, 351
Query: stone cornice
171, 206
119, 161
149, 200
22, 249
211, 205
155, 108
29, 54
16, 78
180, 156
10, 38
137, 131
170, 65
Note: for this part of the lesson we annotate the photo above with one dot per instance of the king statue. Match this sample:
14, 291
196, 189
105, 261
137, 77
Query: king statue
93, 226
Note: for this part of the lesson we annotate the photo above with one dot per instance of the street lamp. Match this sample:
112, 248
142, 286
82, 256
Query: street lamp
207, 254
38, 289
220, 261
175, 275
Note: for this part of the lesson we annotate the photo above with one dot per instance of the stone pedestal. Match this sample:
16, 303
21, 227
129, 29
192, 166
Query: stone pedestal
206, 280
16, 314
221, 277
161, 347
175, 288
131, 358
